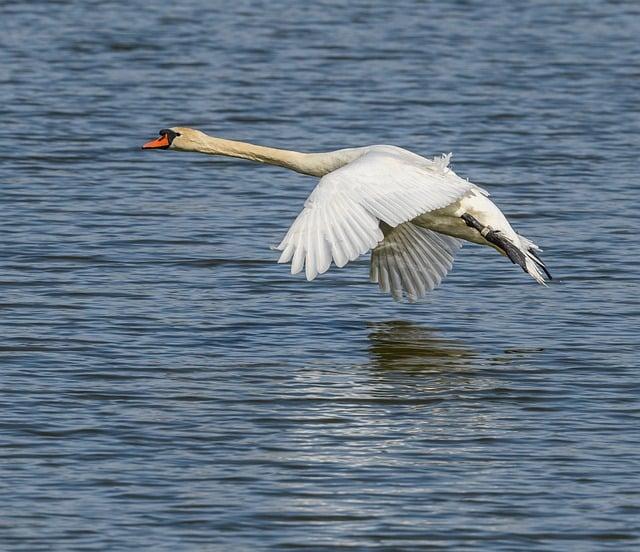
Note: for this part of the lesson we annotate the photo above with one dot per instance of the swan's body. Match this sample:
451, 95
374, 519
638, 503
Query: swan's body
411, 211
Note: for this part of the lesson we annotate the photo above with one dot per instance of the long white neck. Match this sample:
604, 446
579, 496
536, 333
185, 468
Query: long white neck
314, 164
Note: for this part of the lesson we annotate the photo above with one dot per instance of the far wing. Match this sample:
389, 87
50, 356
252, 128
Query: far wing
412, 260
341, 218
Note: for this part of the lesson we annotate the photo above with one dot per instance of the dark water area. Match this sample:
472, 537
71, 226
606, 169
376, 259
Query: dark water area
165, 385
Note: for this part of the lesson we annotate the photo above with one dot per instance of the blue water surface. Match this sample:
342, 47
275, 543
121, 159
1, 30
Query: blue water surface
165, 385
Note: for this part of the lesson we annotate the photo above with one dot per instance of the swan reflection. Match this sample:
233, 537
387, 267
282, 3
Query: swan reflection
407, 347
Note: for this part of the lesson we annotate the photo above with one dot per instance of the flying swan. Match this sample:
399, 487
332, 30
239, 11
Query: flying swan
411, 211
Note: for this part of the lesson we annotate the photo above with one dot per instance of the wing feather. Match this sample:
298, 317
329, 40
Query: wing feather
414, 260
341, 218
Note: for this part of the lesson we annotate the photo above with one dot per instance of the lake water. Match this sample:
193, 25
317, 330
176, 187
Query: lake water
165, 385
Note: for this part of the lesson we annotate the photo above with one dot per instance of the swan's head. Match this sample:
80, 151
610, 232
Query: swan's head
178, 138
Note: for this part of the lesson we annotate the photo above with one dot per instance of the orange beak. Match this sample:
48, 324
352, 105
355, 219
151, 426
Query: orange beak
162, 142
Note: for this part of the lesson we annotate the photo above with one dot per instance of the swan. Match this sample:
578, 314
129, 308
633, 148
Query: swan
413, 212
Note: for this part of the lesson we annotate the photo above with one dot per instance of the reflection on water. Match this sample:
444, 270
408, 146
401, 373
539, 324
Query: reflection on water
404, 346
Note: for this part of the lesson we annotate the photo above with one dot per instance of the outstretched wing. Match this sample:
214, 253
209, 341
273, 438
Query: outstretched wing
341, 218
412, 260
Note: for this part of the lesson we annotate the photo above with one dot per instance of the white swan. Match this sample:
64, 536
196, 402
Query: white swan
411, 211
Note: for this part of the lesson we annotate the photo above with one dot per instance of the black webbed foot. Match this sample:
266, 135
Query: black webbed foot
498, 239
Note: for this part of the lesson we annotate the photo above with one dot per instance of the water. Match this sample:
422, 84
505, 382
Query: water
165, 385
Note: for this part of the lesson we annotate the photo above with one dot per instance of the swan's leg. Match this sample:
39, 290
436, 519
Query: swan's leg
498, 239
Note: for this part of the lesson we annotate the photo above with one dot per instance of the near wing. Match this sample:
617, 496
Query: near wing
412, 259
341, 218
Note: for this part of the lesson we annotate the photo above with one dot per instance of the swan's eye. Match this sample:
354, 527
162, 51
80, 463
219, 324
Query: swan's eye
170, 134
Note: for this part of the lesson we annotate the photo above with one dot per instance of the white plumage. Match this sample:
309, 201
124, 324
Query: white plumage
412, 260
411, 211
341, 219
